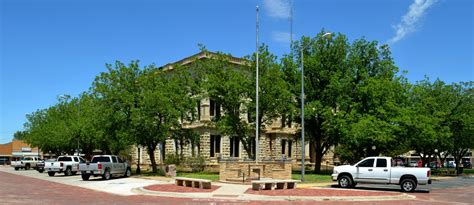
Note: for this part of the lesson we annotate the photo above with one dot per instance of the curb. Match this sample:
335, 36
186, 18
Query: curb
254, 197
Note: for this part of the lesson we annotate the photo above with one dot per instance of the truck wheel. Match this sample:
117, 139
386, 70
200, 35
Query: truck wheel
345, 182
408, 185
85, 177
40, 171
128, 172
27, 166
51, 174
68, 171
106, 175
17, 168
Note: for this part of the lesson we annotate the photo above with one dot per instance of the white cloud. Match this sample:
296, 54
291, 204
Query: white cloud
411, 19
281, 37
279, 9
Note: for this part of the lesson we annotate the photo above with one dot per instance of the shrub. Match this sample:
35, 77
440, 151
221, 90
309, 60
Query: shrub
196, 163
172, 159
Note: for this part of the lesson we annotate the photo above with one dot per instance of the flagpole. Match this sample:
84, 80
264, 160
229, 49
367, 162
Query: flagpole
256, 91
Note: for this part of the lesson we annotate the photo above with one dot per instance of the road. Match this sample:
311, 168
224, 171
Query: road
28, 187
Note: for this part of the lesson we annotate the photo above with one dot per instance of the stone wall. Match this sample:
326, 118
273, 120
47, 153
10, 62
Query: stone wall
242, 170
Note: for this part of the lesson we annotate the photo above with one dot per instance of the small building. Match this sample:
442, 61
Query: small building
15, 150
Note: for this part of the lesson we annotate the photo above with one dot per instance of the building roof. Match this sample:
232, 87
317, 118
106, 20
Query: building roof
202, 55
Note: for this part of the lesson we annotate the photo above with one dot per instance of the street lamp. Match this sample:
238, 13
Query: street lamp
302, 104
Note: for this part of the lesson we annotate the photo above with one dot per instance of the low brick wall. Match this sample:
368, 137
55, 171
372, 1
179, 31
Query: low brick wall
248, 170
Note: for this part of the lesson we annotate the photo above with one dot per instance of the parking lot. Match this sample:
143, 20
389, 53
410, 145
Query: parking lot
26, 187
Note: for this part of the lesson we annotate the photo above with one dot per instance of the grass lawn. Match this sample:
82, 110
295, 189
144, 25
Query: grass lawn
312, 178
200, 175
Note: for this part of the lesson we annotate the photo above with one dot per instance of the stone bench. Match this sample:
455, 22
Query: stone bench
191, 182
274, 184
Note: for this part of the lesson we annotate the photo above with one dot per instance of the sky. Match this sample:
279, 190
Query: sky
50, 48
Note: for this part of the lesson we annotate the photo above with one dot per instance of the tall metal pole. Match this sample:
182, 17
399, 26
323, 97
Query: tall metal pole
256, 97
302, 115
291, 22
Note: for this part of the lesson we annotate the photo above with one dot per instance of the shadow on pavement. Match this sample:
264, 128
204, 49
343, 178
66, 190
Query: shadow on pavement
382, 189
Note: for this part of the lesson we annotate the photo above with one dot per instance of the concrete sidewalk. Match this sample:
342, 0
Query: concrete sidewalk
238, 192
136, 186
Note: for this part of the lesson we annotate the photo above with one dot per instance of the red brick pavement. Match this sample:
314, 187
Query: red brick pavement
16, 189
179, 189
321, 192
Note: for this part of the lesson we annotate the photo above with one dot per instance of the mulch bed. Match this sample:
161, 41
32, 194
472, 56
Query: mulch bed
179, 189
318, 192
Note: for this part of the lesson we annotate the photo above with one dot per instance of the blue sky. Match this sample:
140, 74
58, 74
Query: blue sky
54, 47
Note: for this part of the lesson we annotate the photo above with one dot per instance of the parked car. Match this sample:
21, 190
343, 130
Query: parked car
467, 165
381, 170
434, 165
67, 164
25, 163
449, 164
40, 166
105, 166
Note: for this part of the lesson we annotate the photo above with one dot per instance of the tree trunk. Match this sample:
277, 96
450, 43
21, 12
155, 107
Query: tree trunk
442, 159
151, 153
319, 155
163, 151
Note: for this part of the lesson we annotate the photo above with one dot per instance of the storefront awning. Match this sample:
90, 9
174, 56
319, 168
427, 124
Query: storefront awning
21, 154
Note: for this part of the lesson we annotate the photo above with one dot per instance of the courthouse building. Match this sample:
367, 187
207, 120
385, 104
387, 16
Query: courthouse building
276, 142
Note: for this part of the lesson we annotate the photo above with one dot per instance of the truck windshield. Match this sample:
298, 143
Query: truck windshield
100, 159
64, 159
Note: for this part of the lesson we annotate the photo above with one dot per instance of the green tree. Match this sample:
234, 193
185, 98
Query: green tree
461, 120
162, 100
274, 92
19, 135
228, 84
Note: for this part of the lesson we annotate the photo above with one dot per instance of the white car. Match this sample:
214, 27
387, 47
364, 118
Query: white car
67, 164
379, 170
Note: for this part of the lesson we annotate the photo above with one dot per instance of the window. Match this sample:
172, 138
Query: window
290, 143
381, 163
234, 146
367, 163
75, 159
283, 146
81, 160
100, 159
215, 109
286, 147
199, 110
65, 159
119, 160
215, 145
114, 159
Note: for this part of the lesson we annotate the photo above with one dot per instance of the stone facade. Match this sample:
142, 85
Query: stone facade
245, 171
276, 142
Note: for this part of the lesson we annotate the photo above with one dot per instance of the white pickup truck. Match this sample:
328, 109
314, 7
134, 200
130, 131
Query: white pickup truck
105, 166
381, 170
67, 164
25, 163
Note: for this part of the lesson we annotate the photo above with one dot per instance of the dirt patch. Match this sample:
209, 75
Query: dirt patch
319, 192
179, 189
